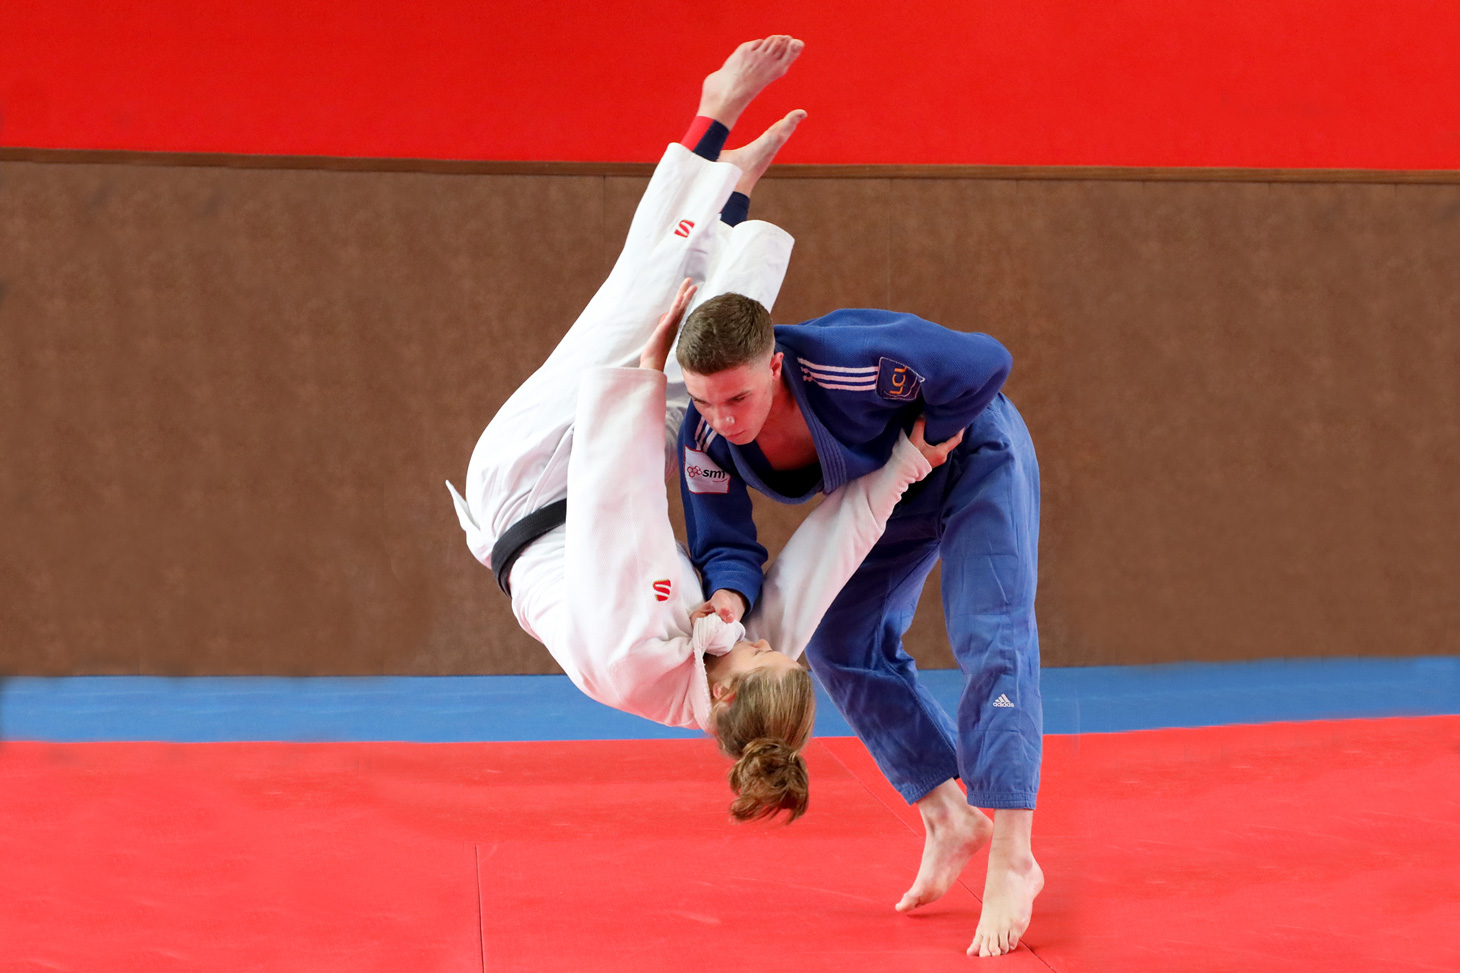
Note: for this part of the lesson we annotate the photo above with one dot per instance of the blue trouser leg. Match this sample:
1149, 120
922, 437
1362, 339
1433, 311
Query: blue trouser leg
980, 513
857, 654
989, 548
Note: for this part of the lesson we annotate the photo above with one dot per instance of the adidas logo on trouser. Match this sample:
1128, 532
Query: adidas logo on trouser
1003, 701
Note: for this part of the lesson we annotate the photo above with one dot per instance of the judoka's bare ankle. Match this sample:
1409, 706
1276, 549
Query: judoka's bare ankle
943, 803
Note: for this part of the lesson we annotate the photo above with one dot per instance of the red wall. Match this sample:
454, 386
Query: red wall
1304, 83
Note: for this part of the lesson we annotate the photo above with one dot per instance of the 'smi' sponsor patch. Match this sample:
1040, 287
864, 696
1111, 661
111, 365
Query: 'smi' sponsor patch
702, 473
897, 382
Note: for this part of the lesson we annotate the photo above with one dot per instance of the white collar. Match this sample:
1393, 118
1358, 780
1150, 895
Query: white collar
714, 636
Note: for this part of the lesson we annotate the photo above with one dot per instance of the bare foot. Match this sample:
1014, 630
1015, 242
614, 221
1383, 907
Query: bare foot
1014, 879
754, 158
955, 832
746, 72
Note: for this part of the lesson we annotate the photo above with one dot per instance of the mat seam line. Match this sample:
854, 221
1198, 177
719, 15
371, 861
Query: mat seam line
976, 897
476, 851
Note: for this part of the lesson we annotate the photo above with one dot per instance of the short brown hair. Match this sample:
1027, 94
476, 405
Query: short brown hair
726, 331
763, 729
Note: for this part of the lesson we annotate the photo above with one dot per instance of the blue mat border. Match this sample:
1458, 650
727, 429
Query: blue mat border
443, 709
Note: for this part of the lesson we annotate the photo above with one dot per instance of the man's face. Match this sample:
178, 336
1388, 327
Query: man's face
736, 401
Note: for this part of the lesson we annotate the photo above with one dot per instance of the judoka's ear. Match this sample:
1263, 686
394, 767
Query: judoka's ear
776, 364
721, 693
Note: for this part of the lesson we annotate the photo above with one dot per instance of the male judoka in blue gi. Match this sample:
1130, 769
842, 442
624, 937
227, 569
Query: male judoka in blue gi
795, 411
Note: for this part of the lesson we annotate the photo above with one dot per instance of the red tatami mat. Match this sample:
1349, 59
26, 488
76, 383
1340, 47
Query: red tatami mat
621, 857
235, 856
1315, 846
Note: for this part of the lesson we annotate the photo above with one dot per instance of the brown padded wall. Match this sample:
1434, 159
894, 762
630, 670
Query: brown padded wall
229, 398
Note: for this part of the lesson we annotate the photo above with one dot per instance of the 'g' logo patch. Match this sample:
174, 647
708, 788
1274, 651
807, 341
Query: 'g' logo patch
897, 382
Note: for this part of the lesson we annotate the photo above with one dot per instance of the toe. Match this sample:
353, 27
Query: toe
783, 129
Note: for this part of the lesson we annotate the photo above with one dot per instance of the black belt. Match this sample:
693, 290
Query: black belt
514, 539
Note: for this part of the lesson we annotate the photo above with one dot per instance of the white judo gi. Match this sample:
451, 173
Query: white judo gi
610, 592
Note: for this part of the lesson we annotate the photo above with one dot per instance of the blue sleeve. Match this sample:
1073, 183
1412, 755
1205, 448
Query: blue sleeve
722, 541
958, 372
961, 378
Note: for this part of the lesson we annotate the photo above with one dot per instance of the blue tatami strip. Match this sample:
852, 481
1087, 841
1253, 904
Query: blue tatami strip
201, 709
440, 709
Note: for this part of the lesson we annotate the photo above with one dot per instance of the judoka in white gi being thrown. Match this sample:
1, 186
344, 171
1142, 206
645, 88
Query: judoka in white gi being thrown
565, 496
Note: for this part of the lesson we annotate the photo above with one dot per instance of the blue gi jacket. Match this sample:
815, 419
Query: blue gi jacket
860, 376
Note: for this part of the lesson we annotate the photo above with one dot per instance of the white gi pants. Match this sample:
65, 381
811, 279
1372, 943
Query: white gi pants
520, 464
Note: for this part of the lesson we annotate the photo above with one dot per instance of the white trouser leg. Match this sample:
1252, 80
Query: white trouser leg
520, 461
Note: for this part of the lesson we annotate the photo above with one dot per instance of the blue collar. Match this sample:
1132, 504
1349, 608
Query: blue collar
828, 450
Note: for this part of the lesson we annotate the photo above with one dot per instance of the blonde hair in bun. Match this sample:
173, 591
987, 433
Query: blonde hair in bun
763, 729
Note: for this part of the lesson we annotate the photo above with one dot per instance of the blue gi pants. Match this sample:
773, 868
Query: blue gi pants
979, 512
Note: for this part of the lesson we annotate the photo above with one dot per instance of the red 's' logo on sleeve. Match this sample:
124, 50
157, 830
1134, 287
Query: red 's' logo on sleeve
684, 227
661, 590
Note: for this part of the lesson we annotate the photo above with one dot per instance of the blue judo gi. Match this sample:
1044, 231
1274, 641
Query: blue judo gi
860, 376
